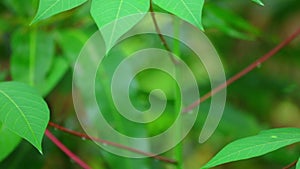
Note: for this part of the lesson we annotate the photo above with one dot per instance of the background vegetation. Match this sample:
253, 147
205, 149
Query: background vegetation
241, 31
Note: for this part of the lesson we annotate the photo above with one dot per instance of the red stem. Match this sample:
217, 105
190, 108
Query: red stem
66, 150
244, 71
82, 135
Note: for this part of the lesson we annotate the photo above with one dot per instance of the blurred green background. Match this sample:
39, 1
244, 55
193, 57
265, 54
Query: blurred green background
241, 31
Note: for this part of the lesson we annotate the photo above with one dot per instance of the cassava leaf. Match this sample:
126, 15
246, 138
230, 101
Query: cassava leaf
8, 141
23, 112
264, 142
111, 12
48, 8
189, 10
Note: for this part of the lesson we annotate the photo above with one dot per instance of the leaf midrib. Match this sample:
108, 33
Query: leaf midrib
21, 112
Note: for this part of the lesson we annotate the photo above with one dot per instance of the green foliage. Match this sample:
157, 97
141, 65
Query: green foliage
26, 117
48, 8
8, 141
298, 164
264, 142
228, 22
110, 12
189, 10
33, 60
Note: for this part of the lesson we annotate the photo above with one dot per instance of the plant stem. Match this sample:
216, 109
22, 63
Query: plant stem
66, 150
99, 140
245, 71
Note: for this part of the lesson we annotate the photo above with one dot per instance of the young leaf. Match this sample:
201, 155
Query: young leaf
8, 141
258, 2
110, 12
48, 8
298, 164
264, 142
23, 111
189, 10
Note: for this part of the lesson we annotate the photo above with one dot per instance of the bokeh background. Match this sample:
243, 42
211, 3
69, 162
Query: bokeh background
241, 31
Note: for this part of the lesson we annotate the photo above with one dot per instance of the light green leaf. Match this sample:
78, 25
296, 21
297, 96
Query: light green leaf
258, 2
32, 59
264, 142
23, 111
189, 10
48, 8
8, 141
298, 164
110, 12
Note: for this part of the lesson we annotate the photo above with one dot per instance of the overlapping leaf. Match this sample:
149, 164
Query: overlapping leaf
48, 8
189, 10
264, 142
111, 12
23, 111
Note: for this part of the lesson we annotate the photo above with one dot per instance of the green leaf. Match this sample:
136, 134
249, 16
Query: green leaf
298, 164
23, 111
48, 8
110, 12
258, 2
264, 142
8, 141
189, 10
32, 59
59, 68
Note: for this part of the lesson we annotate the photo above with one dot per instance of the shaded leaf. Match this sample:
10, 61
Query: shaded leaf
189, 10
33, 60
23, 111
228, 22
264, 142
298, 164
8, 141
71, 42
111, 12
48, 8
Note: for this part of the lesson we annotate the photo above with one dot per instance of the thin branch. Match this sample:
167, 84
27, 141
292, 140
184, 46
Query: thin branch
161, 37
66, 150
99, 140
244, 71
290, 165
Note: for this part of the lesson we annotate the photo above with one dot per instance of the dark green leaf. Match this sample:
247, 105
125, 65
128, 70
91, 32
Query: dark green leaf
298, 164
264, 142
48, 8
8, 141
189, 10
23, 111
